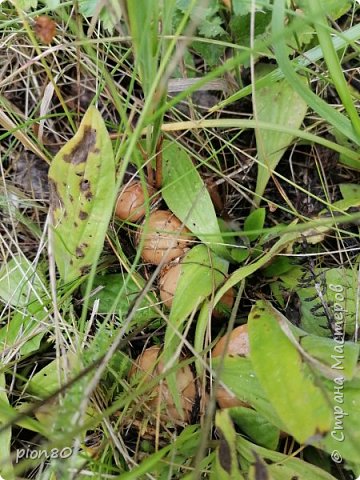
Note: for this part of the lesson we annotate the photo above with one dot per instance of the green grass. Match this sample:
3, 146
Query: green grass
76, 315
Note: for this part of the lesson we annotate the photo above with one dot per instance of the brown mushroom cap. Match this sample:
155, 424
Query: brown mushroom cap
163, 241
151, 368
238, 345
169, 277
130, 204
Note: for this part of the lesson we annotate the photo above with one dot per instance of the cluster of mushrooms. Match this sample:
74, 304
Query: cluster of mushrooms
164, 242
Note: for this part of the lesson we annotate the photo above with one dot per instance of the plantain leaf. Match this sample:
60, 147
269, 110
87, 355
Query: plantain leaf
272, 104
82, 180
187, 197
285, 378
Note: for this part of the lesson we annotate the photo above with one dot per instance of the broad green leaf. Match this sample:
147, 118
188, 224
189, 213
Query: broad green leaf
255, 426
187, 197
25, 330
334, 353
6, 467
226, 465
50, 378
344, 436
238, 375
123, 290
334, 8
255, 221
23, 287
201, 273
82, 180
285, 378
350, 191
272, 105
294, 467
20, 283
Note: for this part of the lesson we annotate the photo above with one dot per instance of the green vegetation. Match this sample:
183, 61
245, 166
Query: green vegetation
171, 170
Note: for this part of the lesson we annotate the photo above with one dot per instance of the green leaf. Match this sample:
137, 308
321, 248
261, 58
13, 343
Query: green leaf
50, 378
334, 8
226, 465
344, 436
23, 287
82, 180
20, 283
255, 221
272, 104
25, 330
255, 426
277, 462
286, 380
240, 27
331, 115
117, 292
201, 274
238, 375
344, 159
187, 197
350, 191
240, 254
242, 7
52, 4
333, 294
27, 4
6, 466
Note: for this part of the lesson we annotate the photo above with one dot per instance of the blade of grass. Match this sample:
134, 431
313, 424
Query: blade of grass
332, 116
244, 123
332, 61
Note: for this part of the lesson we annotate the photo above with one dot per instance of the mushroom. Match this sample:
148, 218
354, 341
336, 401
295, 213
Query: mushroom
163, 241
130, 204
169, 277
238, 345
149, 367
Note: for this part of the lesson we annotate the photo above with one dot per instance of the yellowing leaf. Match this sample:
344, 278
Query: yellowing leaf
82, 180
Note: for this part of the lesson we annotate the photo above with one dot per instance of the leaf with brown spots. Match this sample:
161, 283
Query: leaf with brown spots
82, 184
